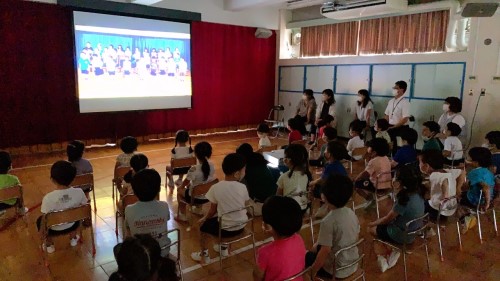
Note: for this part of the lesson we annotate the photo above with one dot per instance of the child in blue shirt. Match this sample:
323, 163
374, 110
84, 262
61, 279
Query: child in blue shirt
479, 179
407, 153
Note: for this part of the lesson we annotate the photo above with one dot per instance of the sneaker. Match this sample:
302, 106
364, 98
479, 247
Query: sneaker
74, 241
178, 182
198, 210
199, 257
393, 258
382, 263
49, 249
225, 250
181, 217
322, 211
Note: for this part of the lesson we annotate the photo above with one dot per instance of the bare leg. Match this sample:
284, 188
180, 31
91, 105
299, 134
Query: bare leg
170, 177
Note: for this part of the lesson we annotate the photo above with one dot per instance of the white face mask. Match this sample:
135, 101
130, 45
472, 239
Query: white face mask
394, 92
446, 107
360, 99
425, 138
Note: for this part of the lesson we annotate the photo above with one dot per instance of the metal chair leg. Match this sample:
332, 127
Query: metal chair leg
427, 256
479, 227
459, 236
440, 242
495, 221
116, 224
376, 204
113, 189
404, 263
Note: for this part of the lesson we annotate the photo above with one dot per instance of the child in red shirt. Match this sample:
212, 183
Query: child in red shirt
323, 124
294, 127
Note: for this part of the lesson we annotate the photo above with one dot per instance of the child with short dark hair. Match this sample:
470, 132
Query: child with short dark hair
149, 215
430, 131
138, 162
493, 144
453, 150
282, 218
406, 154
381, 127
294, 125
180, 150
330, 134
225, 196
377, 172
355, 129
325, 123
128, 145
62, 173
479, 179
408, 206
338, 229
263, 132
75, 150
7, 180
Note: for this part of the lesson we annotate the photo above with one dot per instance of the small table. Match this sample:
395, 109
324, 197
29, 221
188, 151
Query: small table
274, 157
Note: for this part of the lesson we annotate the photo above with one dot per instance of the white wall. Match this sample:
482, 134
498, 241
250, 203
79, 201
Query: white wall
485, 59
213, 11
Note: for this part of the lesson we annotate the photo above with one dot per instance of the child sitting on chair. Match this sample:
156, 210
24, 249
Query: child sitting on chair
329, 134
62, 173
138, 162
284, 257
406, 154
129, 146
149, 215
355, 129
453, 150
75, 150
7, 180
325, 123
294, 125
262, 133
338, 229
381, 127
492, 142
226, 196
201, 173
178, 152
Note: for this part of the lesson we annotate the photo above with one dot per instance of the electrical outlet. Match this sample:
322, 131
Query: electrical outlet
483, 92
471, 92
496, 79
472, 77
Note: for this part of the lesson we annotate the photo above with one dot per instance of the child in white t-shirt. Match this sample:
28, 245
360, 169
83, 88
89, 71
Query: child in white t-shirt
355, 129
444, 183
180, 150
226, 196
453, 150
64, 197
262, 133
297, 179
201, 173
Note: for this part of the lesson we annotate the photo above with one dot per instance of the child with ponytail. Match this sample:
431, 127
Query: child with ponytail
201, 173
180, 150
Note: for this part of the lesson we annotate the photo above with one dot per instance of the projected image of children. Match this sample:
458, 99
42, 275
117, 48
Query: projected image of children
108, 67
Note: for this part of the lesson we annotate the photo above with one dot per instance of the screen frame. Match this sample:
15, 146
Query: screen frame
133, 11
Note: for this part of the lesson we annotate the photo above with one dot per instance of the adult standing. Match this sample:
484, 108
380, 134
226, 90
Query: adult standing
306, 109
397, 112
326, 107
452, 107
364, 111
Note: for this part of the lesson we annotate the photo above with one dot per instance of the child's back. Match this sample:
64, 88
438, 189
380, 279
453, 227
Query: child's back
405, 154
437, 181
229, 196
377, 166
294, 184
182, 152
7, 180
82, 166
413, 209
475, 178
264, 141
355, 142
454, 145
384, 135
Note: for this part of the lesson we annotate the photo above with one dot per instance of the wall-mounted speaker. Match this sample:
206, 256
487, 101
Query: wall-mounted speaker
263, 33
479, 8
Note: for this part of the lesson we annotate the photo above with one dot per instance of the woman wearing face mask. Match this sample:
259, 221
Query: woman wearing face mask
452, 107
364, 111
326, 107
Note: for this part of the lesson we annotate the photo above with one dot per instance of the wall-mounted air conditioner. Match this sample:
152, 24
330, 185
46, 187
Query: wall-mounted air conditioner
355, 9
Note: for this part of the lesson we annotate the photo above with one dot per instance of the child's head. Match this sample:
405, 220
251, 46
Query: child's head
480, 157
203, 152
431, 160
128, 144
245, 149
74, 150
430, 129
329, 134
493, 139
283, 215
293, 124
62, 173
262, 130
453, 129
381, 125
409, 135
379, 146
5, 162
411, 182
327, 96
327, 121
233, 165
296, 156
335, 151
355, 128
146, 184
181, 137
337, 190
138, 162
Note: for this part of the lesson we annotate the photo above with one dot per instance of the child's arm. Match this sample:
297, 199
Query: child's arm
486, 193
321, 257
211, 212
394, 164
446, 153
384, 220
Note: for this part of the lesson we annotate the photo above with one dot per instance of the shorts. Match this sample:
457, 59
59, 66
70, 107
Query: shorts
56, 232
211, 226
464, 201
311, 258
433, 213
196, 201
383, 235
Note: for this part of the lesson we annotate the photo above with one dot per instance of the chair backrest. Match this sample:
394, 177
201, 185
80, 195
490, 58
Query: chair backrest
182, 162
83, 181
304, 273
11, 192
202, 189
360, 151
384, 181
120, 172
358, 261
173, 242
423, 220
250, 218
267, 148
445, 205
129, 199
67, 216
302, 142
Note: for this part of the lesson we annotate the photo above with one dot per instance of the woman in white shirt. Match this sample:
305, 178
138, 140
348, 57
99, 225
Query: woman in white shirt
452, 107
326, 107
364, 111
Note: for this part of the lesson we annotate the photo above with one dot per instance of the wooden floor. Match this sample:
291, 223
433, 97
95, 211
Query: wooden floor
21, 258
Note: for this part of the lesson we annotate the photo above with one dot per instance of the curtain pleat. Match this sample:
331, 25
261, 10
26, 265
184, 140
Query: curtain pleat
329, 40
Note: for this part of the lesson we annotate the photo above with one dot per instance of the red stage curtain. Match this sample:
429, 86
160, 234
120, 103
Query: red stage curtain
233, 81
